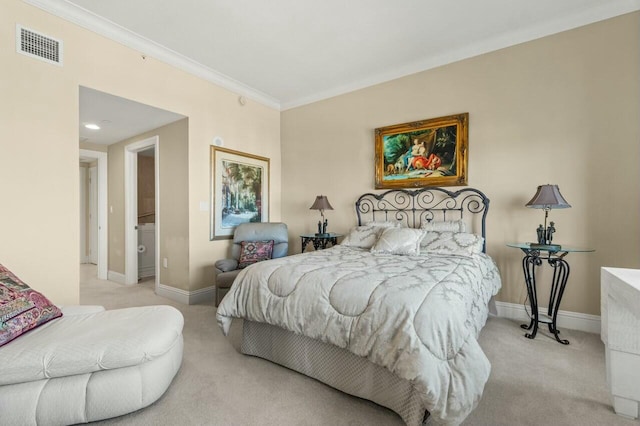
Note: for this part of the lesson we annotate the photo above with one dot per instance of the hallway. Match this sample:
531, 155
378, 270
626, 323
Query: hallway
113, 295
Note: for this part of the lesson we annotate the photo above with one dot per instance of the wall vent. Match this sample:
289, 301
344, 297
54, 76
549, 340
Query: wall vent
38, 45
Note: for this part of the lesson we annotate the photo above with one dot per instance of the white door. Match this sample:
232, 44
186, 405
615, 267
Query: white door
131, 207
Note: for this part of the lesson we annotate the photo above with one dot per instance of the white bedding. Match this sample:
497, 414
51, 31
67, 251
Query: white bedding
418, 316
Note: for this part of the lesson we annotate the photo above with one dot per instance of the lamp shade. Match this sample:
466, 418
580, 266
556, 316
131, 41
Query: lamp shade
548, 197
321, 203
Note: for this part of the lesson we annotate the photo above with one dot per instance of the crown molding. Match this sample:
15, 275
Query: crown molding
99, 25
607, 10
86, 19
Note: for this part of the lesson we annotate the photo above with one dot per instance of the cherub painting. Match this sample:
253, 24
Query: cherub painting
424, 153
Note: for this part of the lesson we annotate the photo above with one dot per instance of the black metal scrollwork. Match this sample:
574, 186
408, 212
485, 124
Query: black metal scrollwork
412, 207
531, 260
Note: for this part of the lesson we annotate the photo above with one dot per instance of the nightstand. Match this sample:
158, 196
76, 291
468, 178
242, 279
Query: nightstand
554, 255
319, 241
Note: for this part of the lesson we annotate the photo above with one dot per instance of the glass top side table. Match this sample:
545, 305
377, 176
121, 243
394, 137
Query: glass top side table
534, 255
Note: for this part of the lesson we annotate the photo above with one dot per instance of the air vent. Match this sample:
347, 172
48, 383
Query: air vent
37, 45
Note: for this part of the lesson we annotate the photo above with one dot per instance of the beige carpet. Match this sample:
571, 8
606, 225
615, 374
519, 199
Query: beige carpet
533, 382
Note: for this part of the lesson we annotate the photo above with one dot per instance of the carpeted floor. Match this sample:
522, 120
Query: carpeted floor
532, 382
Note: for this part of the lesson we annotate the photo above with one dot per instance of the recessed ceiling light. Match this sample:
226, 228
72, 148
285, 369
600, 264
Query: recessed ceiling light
92, 126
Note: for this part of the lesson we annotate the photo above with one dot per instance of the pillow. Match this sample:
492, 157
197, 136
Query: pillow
447, 225
403, 241
254, 251
362, 236
21, 308
460, 243
384, 224
366, 236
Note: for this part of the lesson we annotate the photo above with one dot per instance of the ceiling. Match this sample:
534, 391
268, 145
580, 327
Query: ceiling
118, 118
285, 53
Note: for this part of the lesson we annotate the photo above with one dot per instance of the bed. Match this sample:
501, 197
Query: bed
392, 314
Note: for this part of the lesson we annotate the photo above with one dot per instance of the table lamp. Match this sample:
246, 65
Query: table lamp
321, 203
547, 197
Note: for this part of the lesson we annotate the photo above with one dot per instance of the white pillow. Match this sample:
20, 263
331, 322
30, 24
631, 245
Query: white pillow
362, 236
460, 243
447, 225
403, 241
385, 224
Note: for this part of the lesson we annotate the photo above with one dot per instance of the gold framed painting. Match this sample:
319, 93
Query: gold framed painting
239, 190
423, 153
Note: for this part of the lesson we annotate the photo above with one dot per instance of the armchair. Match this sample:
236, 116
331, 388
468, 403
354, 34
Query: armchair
226, 270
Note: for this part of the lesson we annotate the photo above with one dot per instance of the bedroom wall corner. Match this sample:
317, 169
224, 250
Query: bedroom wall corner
248, 127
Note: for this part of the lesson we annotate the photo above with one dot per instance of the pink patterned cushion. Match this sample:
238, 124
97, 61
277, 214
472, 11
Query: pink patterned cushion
254, 251
21, 308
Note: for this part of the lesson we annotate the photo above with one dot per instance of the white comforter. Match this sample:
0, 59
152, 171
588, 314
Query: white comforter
418, 316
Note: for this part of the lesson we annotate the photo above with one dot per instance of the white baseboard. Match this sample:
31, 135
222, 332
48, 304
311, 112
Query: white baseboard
184, 296
566, 319
147, 271
116, 277
202, 295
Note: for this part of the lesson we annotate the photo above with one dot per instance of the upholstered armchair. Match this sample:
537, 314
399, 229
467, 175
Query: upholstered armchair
249, 247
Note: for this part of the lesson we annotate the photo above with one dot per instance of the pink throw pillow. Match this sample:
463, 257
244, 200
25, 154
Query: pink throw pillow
254, 251
21, 308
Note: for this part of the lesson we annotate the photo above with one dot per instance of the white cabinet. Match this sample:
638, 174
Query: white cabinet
620, 310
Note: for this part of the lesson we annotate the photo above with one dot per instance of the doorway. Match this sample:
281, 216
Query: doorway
95, 247
105, 120
134, 217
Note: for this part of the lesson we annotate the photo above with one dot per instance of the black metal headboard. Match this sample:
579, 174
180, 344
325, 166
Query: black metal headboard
412, 207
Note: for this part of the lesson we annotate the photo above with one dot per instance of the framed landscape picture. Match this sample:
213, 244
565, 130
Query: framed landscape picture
239, 190
423, 153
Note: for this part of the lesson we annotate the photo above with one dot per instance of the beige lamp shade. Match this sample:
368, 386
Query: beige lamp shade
321, 203
548, 197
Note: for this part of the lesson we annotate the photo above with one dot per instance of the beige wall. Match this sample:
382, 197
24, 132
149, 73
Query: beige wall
251, 128
94, 146
39, 143
563, 110
174, 201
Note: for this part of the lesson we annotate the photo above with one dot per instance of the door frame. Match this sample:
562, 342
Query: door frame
103, 242
92, 198
131, 207
83, 214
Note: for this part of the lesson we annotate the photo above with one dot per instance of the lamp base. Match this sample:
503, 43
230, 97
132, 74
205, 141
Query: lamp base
326, 234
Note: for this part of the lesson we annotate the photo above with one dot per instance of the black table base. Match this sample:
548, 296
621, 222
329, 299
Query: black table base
319, 242
560, 267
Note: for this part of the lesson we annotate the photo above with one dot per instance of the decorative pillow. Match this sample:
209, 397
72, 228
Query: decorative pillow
403, 241
447, 225
254, 251
460, 243
362, 236
21, 308
384, 224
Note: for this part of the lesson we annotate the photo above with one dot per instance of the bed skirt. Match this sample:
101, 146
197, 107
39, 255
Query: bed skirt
335, 367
